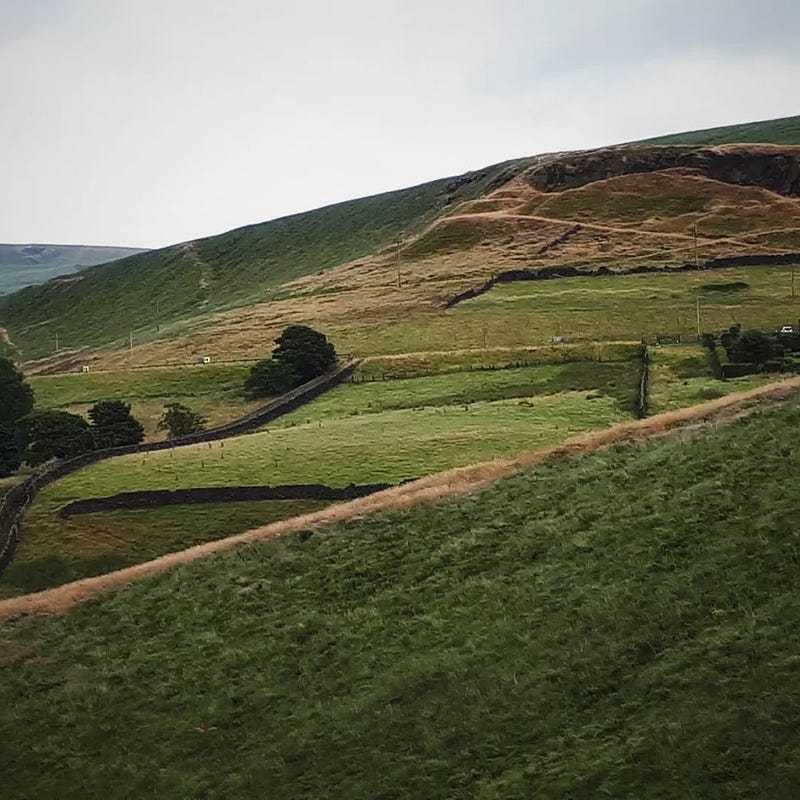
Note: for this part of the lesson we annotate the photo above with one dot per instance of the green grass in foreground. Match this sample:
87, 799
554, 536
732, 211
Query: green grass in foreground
576, 632
213, 390
57, 550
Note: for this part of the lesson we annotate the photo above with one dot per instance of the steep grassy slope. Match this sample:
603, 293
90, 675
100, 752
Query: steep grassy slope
774, 131
574, 632
30, 264
239, 267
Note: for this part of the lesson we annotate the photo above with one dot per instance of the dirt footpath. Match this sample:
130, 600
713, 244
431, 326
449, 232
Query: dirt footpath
426, 490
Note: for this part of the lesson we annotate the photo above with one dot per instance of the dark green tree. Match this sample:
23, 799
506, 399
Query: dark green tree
10, 452
113, 425
270, 377
180, 420
306, 351
752, 347
53, 434
16, 396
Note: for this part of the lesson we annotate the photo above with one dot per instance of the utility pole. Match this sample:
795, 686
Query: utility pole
130, 343
57, 342
696, 257
698, 315
398, 242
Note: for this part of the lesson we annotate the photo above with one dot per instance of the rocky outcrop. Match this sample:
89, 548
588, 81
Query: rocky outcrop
774, 168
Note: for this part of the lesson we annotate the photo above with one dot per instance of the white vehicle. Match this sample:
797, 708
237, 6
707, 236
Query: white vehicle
786, 329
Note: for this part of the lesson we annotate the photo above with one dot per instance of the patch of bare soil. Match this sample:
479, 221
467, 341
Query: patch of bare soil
426, 490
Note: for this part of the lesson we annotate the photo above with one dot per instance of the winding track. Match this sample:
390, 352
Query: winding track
426, 490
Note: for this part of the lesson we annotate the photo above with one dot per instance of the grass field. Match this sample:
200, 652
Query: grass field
213, 390
572, 632
57, 550
615, 379
630, 306
386, 431
680, 376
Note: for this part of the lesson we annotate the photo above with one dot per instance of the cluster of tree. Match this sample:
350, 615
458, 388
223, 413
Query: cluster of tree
300, 355
747, 347
36, 436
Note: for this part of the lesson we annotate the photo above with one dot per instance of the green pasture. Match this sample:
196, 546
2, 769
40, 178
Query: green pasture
57, 550
622, 624
417, 364
616, 379
370, 432
213, 390
632, 306
618, 308
680, 376
388, 446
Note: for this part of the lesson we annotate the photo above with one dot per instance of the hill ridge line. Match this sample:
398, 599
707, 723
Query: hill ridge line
432, 488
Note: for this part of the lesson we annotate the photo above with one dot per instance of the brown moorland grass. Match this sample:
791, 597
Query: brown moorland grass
628, 220
426, 490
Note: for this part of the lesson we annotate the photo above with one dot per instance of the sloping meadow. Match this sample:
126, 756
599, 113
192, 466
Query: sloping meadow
618, 624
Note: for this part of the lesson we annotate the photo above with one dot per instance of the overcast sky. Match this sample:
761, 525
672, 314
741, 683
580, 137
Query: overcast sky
148, 122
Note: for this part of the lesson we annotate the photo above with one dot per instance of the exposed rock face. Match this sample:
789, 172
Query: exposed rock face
774, 168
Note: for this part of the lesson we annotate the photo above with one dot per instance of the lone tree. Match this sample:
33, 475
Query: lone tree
753, 347
113, 425
53, 434
307, 351
16, 400
301, 354
180, 420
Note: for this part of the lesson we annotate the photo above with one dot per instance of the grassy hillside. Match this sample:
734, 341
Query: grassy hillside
30, 264
216, 391
774, 131
366, 433
177, 294
570, 633
242, 266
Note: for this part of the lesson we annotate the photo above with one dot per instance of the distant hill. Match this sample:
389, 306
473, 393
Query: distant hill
334, 264
233, 269
24, 265
774, 131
